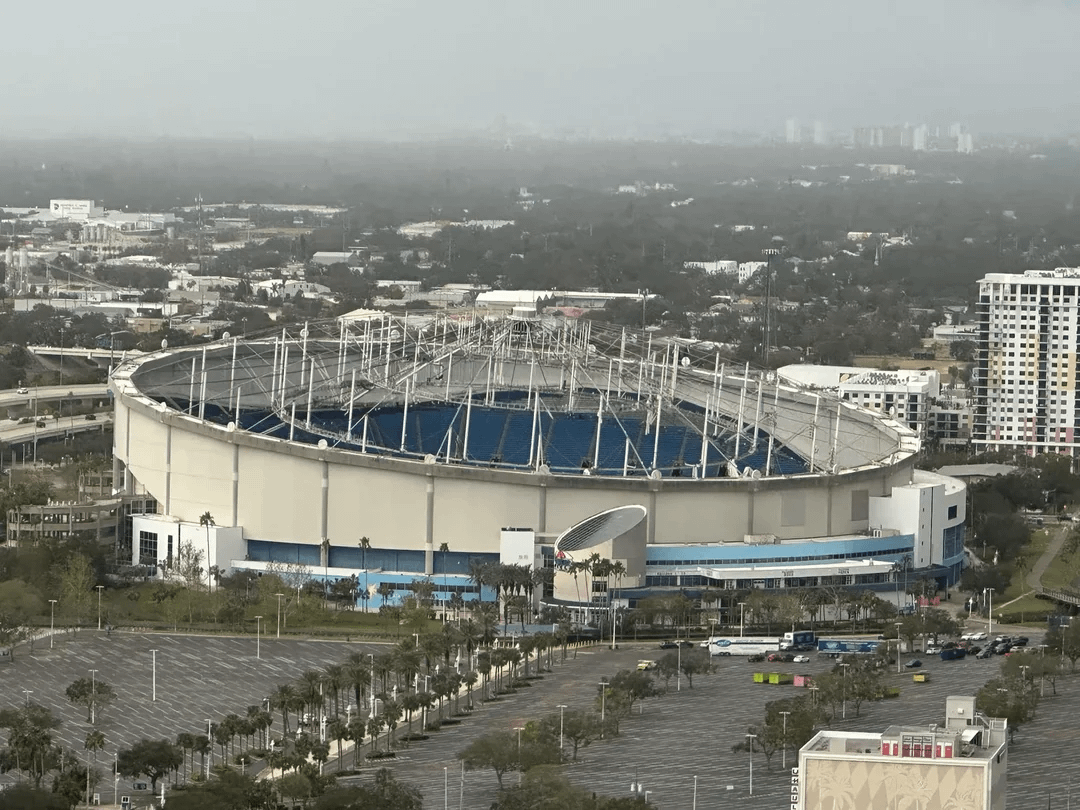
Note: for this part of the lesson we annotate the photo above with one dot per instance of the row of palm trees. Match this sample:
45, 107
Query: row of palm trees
424, 677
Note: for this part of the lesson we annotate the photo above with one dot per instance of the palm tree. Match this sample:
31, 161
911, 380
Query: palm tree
480, 574
185, 742
365, 544
284, 699
337, 730
206, 520
444, 549
358, 676
334, 675
310, 687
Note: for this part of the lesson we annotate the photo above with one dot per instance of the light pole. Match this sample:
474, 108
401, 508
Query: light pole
100, 588
372, 688
521, 770
678, 671
695, 794
93, 697
416, 641
989, 613
742, 617
258, 636
783, 750
562, 709
52, 621
279, 598
209, 746
445, 788
27, 693
750, 748
153, 676
898, 626
813, 694
603, 701
844, 692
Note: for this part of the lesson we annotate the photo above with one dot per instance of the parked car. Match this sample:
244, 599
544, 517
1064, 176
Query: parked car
914, 663
22, 391
984, 653
644, 665
756, 658
668, 645
1021, 641
801, 659
933, 649
686, 644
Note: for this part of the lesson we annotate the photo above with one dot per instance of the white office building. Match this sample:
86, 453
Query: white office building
1026, 381
904, 394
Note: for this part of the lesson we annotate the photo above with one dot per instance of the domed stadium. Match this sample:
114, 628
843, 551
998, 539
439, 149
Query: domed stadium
446, 440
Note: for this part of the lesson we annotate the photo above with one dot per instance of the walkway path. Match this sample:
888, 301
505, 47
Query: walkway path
1058, 535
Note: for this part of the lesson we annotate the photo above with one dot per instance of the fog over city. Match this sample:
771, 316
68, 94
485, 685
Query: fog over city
629, 69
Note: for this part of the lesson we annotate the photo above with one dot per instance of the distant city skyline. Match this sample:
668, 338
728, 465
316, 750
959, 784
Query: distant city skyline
643, 69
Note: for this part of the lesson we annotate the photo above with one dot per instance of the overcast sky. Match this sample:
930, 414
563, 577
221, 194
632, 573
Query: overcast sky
329, 68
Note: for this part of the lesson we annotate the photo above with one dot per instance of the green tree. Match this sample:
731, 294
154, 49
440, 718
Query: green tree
75, 782
19, 603
579, 728
497, 750
92, 693
150, 758
30, 739
383, 792
22, 796
76, 582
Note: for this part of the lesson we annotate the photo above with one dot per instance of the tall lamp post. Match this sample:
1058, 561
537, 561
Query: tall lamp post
279, 597
258, 636
93, 697
153, 676
52, 622
742, 617
989, 592
26, 694
100, 588
562, 709
898, 626
783, 749
844, 692
603, 705
521, 770
750, 748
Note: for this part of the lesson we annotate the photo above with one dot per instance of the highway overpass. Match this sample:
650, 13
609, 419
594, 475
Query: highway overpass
114, 355
15, 433
51, 393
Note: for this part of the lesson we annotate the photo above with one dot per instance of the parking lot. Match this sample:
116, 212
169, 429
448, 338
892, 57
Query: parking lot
676, 737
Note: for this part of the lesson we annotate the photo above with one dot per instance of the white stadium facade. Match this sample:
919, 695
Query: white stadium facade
525, 440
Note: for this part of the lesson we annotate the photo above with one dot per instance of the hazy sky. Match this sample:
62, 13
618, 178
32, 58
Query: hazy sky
339, 67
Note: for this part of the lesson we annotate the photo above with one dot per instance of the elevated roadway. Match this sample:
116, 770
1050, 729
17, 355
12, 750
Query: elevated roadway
11, 397
85, 354
15, 433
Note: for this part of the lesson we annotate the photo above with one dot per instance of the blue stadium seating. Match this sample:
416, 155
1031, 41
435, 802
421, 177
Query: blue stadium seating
570, 441
498, 432
515, 441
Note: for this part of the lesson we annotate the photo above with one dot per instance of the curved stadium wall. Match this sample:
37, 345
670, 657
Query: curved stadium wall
421, 432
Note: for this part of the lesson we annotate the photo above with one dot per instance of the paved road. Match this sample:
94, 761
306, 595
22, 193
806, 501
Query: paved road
681, 735
13, 433
10, 397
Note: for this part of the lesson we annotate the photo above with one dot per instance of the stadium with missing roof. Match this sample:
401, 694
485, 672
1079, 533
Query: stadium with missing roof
527, 440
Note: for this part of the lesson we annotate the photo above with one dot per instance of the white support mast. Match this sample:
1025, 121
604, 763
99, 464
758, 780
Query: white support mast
813, 433
311, 388
352, 401
468, 420
405, 415
772, 431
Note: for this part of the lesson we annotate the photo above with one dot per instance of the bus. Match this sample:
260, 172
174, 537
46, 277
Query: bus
743, 645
